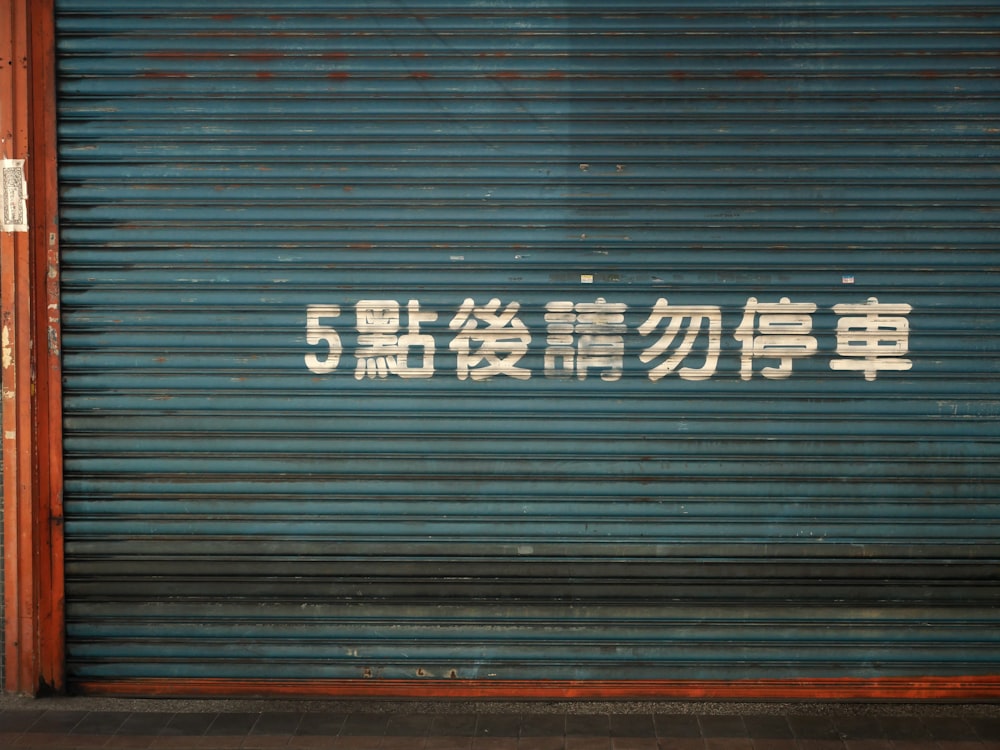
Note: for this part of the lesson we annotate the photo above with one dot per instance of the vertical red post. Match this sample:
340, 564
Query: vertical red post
29, 325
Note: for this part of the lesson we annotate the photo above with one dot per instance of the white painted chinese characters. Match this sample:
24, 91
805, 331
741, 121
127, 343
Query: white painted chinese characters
490, 339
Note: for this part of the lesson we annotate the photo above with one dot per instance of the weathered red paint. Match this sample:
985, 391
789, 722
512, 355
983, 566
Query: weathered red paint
838, 689
32, 396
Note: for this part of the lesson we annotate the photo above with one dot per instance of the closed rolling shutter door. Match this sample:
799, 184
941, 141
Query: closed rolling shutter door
539, 340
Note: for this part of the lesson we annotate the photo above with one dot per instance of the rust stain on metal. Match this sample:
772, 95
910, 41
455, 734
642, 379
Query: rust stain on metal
170, 54
421, 74
751, 74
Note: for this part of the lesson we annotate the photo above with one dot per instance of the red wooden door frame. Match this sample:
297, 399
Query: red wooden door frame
32, 394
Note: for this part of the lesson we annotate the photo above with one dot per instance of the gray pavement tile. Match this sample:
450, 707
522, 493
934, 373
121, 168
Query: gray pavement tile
722, 726
682, 743
276, 723
231, 724
125, 742
632, 725
986, 727
728, 743
813, 728
540, 742
497, 743
412, 742
56, 722
677, 726
868, 744
589, 725
807, 743
18, 721
454, 725
901, 728
144, 724
856, 728
448, 742
357, 743
635, 743
948, 728
765, 727
912, 744
498, 725
188, 725
364, 725
774, 743
543, 725
320, 725
43, 741
101, 722
859, 727
409, 725
588, 743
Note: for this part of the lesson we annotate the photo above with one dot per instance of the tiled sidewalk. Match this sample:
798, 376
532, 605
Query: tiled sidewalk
66, 729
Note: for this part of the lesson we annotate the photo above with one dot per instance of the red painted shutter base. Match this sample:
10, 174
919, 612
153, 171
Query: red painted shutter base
835, 689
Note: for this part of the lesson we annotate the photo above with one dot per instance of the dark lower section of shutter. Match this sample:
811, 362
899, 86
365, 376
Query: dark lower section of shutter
534, 342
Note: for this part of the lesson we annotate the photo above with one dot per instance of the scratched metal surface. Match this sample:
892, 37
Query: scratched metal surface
257, 197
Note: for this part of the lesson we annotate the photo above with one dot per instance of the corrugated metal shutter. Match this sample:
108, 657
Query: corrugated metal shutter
693, 309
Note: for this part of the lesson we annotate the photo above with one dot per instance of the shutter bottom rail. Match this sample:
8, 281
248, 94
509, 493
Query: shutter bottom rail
969, 688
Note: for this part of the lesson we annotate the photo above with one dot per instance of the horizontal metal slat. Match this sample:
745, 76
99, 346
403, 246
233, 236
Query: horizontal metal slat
231, 513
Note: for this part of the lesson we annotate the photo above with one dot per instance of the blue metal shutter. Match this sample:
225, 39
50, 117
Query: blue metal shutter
530, 340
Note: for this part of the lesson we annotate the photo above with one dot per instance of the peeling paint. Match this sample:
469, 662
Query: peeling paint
8, 349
